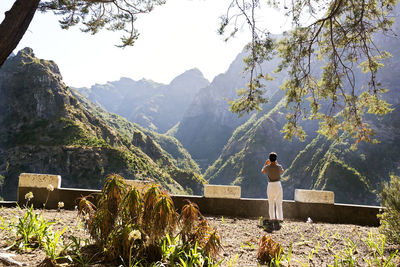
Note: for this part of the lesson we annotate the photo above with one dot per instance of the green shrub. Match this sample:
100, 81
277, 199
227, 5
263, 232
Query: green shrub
377, 246
54, 246
179, 253
30, 231
130, 226
390, 219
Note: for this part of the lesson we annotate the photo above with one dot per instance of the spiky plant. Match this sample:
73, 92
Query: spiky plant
149, 202
109, 206
189, 219
86, 207
133, 207
104, 223
197, 230
268, 249
86, 210
112, 194
212, 243
164, 217
128, 225
201, 232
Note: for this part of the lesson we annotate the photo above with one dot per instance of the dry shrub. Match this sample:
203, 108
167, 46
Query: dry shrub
86, 211
268, 249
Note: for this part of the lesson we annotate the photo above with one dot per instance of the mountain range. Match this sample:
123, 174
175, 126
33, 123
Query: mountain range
183, 135
152, 105
45, 127
231, 149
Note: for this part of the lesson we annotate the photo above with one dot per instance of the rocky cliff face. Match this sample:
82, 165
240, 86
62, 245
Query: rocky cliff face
44, 128
162, 111
171, 146
207, 123
152, 105
122, 96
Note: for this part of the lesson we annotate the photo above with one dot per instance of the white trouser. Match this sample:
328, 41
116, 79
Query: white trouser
275, 196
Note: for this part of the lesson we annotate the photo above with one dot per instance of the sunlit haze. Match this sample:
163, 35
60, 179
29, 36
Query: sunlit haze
175, 37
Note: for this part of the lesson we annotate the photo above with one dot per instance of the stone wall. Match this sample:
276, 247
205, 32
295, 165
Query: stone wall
216, 206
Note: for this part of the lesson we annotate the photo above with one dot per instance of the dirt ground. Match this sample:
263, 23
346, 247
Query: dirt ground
313, 244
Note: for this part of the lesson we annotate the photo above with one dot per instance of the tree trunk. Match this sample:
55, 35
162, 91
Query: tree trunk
14, 26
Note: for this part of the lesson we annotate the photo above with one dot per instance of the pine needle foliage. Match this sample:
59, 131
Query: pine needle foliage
331, 57
95, 15
130, 226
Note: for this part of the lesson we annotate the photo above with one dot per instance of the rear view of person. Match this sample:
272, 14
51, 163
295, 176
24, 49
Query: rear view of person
274, 189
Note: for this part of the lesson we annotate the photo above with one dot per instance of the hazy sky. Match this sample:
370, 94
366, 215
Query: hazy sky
175, 37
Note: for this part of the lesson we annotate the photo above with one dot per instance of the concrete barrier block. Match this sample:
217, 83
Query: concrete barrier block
314, 196
222, 191
39, 180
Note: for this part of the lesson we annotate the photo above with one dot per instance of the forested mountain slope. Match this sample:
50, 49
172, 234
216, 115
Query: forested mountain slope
246, 151
44, 128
